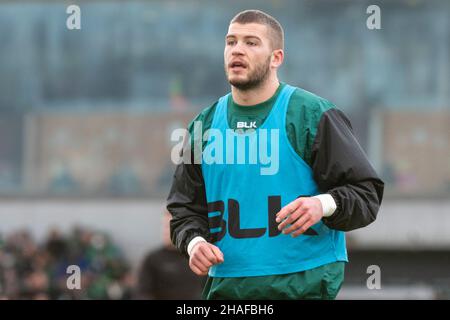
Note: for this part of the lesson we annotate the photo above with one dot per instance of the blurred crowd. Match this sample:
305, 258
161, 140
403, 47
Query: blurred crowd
39, 270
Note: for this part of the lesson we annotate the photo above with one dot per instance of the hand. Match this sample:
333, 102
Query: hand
203, 256
300, 214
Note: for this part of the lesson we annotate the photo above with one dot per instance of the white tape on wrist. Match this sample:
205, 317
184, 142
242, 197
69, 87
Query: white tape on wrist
193, 243
328, 204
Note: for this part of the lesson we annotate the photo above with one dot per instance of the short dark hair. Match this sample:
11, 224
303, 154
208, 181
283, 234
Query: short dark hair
276, 33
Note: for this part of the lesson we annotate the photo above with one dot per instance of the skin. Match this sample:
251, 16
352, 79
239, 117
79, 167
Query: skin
203, 256
251, 45
299, 215
254, 82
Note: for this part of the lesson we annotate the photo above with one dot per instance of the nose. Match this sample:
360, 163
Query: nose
237, 49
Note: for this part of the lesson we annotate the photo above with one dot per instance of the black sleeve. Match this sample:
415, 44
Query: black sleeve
341, 168
188, 206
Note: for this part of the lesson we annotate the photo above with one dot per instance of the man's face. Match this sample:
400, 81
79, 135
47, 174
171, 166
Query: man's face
247, 55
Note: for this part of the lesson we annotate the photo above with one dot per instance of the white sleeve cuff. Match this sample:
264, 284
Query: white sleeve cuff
193, 242
328, 204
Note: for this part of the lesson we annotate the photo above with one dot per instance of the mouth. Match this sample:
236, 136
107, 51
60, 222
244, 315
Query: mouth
237, 66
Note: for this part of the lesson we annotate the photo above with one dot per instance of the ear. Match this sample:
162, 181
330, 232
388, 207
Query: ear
277, 58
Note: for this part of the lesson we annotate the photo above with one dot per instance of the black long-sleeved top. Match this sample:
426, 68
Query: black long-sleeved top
321, 134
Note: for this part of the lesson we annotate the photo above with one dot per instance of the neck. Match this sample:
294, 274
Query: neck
256, 95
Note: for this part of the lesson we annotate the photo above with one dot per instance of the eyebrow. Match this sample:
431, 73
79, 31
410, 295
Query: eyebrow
245, 37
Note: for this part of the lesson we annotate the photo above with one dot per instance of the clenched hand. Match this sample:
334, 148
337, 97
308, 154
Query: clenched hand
203, 256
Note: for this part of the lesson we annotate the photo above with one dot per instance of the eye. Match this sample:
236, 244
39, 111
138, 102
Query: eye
230, 42
251, 43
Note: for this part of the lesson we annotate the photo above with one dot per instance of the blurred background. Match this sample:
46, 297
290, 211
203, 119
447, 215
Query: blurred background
86, 117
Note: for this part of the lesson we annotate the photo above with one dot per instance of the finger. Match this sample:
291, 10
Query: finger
200, 258
219, 255
288, 209
199, 266
208, 255
197, 271
302, 229
298, 224
292, 218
